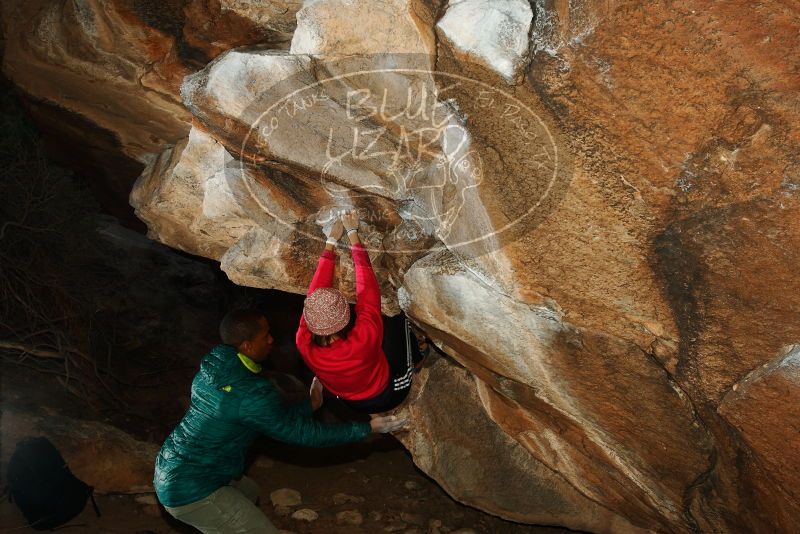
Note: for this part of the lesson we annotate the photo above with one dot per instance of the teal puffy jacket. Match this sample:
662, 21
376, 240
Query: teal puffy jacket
207, 448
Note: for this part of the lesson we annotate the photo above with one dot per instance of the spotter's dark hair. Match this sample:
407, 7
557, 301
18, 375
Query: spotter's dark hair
239, 325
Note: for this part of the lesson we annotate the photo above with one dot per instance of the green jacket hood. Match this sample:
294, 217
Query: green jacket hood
222, 367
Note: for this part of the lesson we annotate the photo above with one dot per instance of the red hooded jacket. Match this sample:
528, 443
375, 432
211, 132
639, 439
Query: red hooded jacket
354, 368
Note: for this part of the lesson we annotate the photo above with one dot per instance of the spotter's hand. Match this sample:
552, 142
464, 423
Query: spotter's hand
316, 394
388, 424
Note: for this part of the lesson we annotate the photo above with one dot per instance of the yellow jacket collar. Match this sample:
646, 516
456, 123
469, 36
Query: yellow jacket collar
250, 364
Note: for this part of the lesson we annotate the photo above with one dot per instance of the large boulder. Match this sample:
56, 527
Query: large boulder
515, 484
592, 257
101, 455
564, 392
492, 33
760, 408
591, 206
102, 78
102, 61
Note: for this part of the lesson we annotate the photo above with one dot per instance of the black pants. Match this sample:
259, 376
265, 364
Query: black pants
402, 352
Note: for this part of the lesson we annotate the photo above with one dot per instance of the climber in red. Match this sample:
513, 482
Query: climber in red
352, 363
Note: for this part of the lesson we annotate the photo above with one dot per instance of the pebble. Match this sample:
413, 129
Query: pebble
350, 470
342, 498
411, 485
375, 515
414, 519
147, 500
305, 514
285, 497
395, 526
349, 517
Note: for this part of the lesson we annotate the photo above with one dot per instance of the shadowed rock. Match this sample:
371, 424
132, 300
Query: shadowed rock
596, 215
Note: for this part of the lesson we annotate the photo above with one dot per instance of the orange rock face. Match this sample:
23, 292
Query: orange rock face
601, 228
102, 78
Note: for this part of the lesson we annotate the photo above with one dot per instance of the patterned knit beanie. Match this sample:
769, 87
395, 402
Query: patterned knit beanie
326, 311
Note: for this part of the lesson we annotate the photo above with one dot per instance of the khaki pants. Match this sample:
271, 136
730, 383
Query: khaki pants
230, 509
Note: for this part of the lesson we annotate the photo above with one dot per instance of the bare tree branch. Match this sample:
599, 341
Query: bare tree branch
29, 349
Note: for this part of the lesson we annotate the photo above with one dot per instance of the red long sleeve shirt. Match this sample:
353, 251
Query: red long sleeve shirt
354, 368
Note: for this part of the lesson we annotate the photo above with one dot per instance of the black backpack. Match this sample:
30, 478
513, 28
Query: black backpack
43, 487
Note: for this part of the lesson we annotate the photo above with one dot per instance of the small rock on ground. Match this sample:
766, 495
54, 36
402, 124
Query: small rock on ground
146, 499
285, 497
305, 514
349, 517
414, 519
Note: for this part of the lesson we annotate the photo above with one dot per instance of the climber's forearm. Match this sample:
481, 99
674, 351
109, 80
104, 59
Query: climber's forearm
323, 277
368, 293
353, 237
